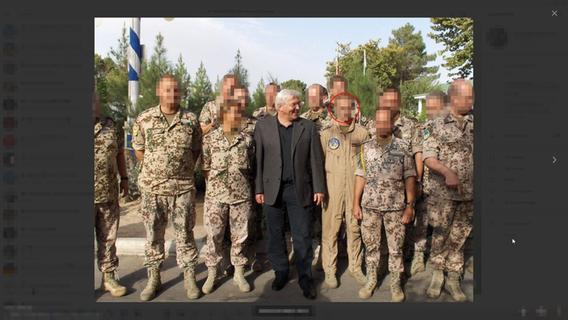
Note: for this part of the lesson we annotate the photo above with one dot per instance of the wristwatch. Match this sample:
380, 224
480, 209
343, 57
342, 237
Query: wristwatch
412, 204
123, 178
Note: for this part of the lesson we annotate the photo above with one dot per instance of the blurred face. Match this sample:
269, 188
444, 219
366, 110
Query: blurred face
391, 100
383, 123
462, 99
242, 96
338, 87
434, 105
343, 108
227, 91
233, 116
315, 98
290, 110
168, 92
270, 95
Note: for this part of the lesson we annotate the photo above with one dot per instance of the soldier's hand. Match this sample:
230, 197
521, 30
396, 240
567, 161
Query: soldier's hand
418, 190
408, 215
452, 180
259, 197
318, 198
123, 188
357, 212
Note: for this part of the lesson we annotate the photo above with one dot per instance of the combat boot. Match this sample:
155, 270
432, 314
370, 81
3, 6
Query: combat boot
210, 282
111, 285
417, 263
190, 285
359, 276
239, 279
435, 287
454, 288
367, 291
331, 280
152, 286
396, 289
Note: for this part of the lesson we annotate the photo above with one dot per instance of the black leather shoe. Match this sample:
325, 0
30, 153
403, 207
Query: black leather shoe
280, 280
308, 288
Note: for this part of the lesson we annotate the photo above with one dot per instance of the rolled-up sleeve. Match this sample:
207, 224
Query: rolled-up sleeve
138, 140
430, 147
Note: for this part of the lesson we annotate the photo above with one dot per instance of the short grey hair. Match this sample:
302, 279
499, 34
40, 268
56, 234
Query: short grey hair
284, 95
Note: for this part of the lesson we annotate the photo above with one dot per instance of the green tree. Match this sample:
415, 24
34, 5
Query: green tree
184, 82
239, 70
426, 84
258, 97
456, 34
411, 58
153, 70
201, 89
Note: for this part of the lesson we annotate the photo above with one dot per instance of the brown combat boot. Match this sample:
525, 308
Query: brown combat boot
454, 288
331, 280
239, 279
396, 289
210, 282
358, 275
367, 291
417, 263
153, 285
110, 284
190, 285
436, 284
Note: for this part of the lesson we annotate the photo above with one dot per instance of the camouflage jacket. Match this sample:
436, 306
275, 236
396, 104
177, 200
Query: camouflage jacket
109, 140
404, 128
261, 113
169, 151
210, 113
452, 144
385, 170
229, 164
320, 119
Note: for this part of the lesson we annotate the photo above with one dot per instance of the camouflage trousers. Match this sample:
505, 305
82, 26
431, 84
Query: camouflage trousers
452, 222
373, 222
416, 234
181, 210
216, 218
107, 216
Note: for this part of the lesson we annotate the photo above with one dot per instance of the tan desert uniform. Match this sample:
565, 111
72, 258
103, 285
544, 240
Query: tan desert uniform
228, 198
108, 142
385, 169
210, 113
450, 211
340, 151
166, 181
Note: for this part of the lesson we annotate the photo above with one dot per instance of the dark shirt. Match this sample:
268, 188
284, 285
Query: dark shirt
286, 152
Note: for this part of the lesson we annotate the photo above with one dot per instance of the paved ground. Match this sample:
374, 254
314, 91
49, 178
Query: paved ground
133, 275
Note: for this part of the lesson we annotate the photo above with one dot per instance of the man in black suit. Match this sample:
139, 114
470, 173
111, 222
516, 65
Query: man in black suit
289, 178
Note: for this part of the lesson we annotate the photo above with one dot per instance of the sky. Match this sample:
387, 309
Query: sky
287, 48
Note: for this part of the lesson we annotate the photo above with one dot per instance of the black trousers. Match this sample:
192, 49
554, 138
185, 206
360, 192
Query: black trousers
300, 220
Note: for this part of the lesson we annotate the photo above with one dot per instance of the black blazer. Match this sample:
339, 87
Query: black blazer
307, 160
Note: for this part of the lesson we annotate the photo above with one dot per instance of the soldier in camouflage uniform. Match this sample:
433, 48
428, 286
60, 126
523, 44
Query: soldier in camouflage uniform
270, 92
448, 153
167, 140
109, 162
209, 116
340, 143
227, 165
386, 183
435, 103
317, 96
